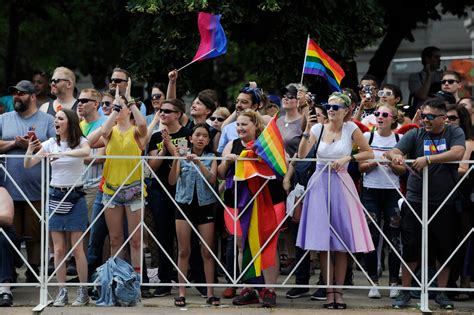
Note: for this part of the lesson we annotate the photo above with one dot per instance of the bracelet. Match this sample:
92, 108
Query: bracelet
117, 108
428, 160
305, 135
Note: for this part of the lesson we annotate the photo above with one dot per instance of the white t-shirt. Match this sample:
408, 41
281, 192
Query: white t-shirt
337, 149
377, 178
66, 170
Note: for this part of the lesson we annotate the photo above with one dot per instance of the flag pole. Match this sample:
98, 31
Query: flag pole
304, 60
200, 57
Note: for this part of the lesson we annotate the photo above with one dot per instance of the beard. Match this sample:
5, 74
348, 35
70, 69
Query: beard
21, 107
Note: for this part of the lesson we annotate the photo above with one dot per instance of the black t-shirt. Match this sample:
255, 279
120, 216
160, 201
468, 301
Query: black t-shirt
156, 143
441, 177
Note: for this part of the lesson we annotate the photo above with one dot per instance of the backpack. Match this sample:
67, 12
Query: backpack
119, 283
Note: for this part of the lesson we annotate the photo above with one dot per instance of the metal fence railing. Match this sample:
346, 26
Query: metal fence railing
234, 277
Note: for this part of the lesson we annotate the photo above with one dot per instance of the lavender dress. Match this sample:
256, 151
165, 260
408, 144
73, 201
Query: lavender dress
334, 222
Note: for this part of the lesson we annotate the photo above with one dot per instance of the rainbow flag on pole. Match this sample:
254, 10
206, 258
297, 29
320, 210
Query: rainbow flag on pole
317, 62
269, 147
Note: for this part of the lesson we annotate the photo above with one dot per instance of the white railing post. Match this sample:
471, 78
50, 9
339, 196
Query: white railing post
424, 307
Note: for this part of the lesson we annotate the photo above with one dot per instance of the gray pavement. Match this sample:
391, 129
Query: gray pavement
26, 298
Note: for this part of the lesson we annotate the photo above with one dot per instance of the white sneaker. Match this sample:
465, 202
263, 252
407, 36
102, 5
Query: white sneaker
393, 291
374, 293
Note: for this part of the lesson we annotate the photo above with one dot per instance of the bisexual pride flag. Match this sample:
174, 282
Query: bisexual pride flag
213, 40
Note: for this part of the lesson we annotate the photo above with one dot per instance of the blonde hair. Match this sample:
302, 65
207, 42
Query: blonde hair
67, 73
255, 118
223, 111
397, 115
95, 95
340, 97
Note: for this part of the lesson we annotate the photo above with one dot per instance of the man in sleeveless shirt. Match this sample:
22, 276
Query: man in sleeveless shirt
62, 86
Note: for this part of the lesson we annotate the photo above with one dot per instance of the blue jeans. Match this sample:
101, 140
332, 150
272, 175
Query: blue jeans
7, 256
98, 233
382, 204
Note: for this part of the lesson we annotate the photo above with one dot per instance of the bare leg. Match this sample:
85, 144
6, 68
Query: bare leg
133, 220
183, 234
114, 220
59, 244
207, 233
80, 256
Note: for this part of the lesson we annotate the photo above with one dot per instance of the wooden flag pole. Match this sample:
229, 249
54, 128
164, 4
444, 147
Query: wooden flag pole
200, 57
304, 60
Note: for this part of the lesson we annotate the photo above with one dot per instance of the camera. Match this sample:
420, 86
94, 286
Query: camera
367, 90
312, 97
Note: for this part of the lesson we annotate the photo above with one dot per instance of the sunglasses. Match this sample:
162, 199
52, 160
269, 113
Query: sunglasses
56, 81
334, 107
167, 111
289, 96
430, 116
156, 96
452, 117
106, 104
85, 100
219, 119
117, 81
384, 93
451, 81
383, 114
19, 93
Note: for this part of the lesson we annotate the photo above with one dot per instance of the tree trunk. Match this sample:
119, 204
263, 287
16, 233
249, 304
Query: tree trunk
11, 59
387, 49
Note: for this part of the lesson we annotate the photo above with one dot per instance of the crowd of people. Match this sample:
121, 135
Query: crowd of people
344, 207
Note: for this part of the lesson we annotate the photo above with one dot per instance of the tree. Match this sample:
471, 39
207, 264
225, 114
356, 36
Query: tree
267, 38
401, 18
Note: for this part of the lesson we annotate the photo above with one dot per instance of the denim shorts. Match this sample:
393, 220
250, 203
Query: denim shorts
75, 220
134, 204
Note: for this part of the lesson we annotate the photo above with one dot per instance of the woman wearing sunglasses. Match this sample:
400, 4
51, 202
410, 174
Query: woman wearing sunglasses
380, 196
391, 95
458, 115
333, 219
122, 137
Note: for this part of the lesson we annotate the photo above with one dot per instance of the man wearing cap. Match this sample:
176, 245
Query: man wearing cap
62, 86
16, 128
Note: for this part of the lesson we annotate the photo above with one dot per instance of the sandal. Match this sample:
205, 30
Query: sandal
339, 306
180, 301
330, 305
213, 301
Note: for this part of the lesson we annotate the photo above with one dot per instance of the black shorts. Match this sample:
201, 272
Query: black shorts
443, 232
196, 214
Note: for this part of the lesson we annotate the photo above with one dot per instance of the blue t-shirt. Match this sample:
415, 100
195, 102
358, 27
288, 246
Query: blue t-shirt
8, 101
229, 133
29, 180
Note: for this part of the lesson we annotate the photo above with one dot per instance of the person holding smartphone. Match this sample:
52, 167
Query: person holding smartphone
427, 81
164, 143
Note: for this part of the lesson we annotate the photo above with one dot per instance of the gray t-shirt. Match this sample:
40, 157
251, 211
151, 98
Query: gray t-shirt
441, 177
29, 180
415, 82
291, 133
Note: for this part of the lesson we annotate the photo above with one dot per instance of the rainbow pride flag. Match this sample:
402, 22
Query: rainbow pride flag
259, 220
317, 62
212, 37
269, 147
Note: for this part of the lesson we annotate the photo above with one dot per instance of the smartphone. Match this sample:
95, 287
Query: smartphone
182, 146
312, 110
31, 135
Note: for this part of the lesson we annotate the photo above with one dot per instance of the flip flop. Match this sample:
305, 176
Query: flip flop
213, 301
180, 301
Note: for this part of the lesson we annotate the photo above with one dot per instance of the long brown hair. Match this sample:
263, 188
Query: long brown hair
74, 130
